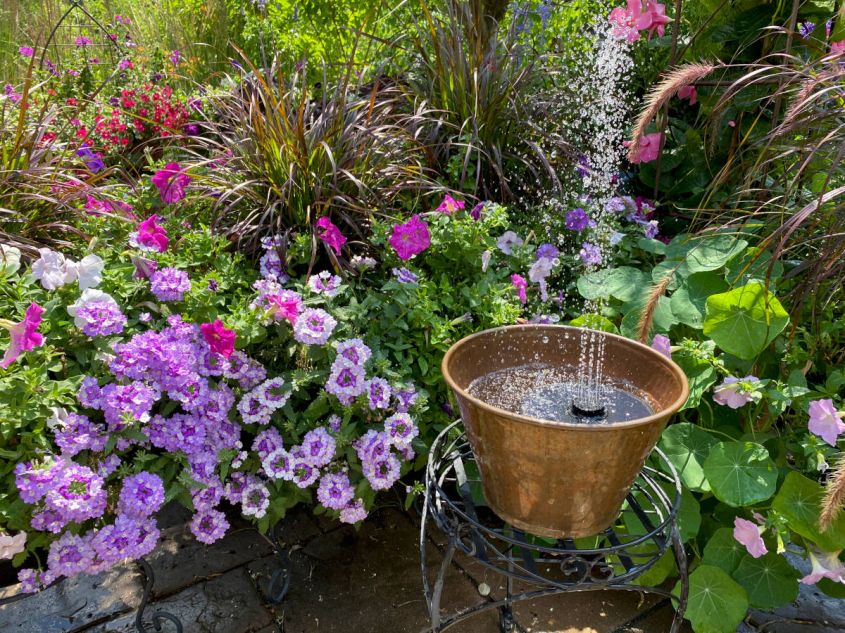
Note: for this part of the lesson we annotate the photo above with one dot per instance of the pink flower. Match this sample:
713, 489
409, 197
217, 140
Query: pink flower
648, 148
171, 182
735, 392
825, 420
837, 48
12, 545
410, 238
825, 565
287, 305
520, 286
661, 344
220, 339
26, 51
625, 21
688, 92
24, 335
655, 14
628, 22
330, 234
152, 235
450, 205
748, 534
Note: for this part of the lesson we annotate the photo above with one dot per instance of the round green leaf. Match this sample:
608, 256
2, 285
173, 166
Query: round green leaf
770, 581
663, 317
623, 283
723, 550
701, 375
745, 320
595, 322
714, 252
740, 473
798, 500
687, 446
753, 265
689, 301
717, 603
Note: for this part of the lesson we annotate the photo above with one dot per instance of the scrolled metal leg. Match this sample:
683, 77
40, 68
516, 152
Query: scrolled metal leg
437, 593
507, 624
683, 572
279, 583
158, 616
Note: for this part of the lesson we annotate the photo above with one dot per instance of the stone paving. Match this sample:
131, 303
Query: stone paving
344, 581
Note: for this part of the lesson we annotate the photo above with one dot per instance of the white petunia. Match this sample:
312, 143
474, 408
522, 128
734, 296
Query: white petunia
89, 271
11, 545
53, 270
508, 241
10, 260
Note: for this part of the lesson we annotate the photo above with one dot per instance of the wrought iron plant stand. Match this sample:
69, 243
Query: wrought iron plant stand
535, 567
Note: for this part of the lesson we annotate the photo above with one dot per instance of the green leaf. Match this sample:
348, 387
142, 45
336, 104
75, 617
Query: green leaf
740, 473
770, 581
799, 500
717, 603
663, 317
623, 283
662, 569
595, 322
723, 550
744, 321
687, 446
701, 375
652, 246
753, 265
704, 253
689, 301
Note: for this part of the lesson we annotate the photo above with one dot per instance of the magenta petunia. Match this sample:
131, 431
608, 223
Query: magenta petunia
171, 182
152, 235
24, 335
220, 339
450, 205
410, 238
330, 234
520, 286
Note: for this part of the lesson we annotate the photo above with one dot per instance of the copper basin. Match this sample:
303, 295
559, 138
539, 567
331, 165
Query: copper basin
551, 478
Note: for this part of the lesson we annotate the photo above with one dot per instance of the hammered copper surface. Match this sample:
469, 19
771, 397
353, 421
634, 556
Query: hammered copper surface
551, 478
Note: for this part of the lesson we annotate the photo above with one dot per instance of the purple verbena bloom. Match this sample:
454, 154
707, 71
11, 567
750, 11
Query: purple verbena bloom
590, 254
278, 465
101, 318
209, 526
335, 491
325, 283
346, 382
352, 352
405, 276
405, 398
378, 393
318, 447
806, 28
255, 499
314, 327
383, 473
80, 434
141, 495
77, 494
577, 220
169, 284
267, 441
354, 512
401, 429
70, 555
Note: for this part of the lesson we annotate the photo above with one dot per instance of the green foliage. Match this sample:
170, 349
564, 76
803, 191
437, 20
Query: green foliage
717, 603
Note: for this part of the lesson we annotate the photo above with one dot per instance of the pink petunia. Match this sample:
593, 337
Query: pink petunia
287, 305
825, 565
330, 234
520, 285
688, 92
825, 421
648, 148
450, 205
410, 238
220, 339
24, 335
837, 48
624, 21
735, 392
171, 182
662, 344
152, 235
748, 534
654, 18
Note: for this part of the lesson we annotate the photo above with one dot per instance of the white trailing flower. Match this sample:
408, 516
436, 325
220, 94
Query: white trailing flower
89, 271
53, 270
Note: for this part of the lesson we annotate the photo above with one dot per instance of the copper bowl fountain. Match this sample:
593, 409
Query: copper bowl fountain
560, 479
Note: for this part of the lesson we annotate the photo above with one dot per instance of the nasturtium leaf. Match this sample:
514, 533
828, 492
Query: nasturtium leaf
595, 322
745, 320
651, 246
623, 283
770, 581
799, 500
662, 569
831, 588
662, 321
669, 267
740, 473
701, 375
689, 301
717, 603
687, 446
708, 252
753, 265
723, 550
